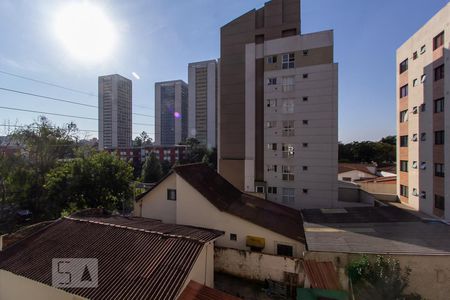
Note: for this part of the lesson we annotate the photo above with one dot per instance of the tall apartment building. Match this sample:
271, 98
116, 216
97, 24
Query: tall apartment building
171, 112
423, 118
278, 108
202, 80
115, 111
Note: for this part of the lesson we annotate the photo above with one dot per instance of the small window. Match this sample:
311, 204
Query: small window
423, 49
404, 165
285, 250
404, 191
272, 190
415, 82
439, 202
272, 146
439, 137
404, 141
423, 165
288, 84
439, 73
414, 137
271, 103
305, 52
288, 61
288, 196
260, 189
349, 179
287, 173
305, 168
414, 164
305, 122
305, 99
272, 168
423, 107
439, 105
404, 66
403, 116
288, 106
272, 59
404, 91
414, 192
288, 150
305, 191
305, 76
423, 195
423, 78
272, 81
438, 40
288, 128
271, 124
171, 194
233, 237
415, 55
415, 110
423, 136
305, 145
439, 170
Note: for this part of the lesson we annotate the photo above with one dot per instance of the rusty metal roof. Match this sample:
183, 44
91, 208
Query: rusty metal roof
138, 258
197, 291
322, 275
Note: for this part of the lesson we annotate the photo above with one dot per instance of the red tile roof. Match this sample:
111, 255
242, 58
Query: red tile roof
322, 275
225, 197
197, 291
137, 257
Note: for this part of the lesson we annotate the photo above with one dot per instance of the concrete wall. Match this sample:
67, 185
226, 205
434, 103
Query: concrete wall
354, 175
430, 275
14, 287
379, 187
257, 266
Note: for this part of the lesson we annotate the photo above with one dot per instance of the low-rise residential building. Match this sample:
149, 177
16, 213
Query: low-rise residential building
138, 155
137, 258
353, 172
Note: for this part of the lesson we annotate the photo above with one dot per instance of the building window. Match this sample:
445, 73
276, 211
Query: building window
404, 165
438, 41
171, 194
288, 61
288, 151
439, 170
272, 81
423, 107
347, 179
272, 146
415, 110
305, 191
272, 190
404, 66
404, 191
423, 165
423, 78
305, 122
439, 137
404, 91
233, 237
414, 137
423, 49
305, 52
288, 83
439, 73
272, 168
305, 76
288, 106
305, 99
305, 145
415, 55
288, 128
439, 105
271, 103
260, 189
285, 250
271, 124
403, 116
414, 192
272, 59
423, 136
287, 173
439, 202
414, 164
415, 82
288, 196
305, 168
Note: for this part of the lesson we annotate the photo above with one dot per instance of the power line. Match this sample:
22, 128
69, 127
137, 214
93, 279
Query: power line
83, 130
60, 86
61, 100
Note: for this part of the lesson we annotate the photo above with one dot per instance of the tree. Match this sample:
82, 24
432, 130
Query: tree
382, 153
165, 167
151, 170
101, 180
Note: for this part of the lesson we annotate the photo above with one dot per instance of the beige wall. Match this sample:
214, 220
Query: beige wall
14, 287
354, 175
379, 187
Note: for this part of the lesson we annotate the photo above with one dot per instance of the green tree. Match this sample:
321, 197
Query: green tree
151, 170
165, 167
101, 180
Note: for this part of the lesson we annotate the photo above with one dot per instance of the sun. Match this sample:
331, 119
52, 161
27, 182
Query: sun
86, 32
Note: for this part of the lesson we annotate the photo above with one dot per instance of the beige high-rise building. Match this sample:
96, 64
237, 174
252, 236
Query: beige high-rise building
278, 108
115, 112
202, 80
423, 118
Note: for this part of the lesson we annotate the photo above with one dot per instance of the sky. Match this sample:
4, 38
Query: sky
157, 39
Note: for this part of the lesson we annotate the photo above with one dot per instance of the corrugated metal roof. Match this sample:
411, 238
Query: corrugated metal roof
322, 275
138, 258
197, 291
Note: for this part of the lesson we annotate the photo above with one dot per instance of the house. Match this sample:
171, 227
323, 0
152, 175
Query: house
197, 291
137, 258
351, 172
197, 195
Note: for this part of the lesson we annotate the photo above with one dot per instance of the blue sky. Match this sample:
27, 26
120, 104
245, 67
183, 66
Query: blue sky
158, 38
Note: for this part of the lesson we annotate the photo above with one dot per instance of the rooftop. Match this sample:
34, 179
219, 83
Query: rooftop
347, 167
322, 275
136, 256
197, 291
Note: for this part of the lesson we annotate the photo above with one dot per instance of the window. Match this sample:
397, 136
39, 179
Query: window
404, 66
439, 170
423, 107
439, 137
272, 59
305, 122
288, 83
414, 165
423, 194
423, 49
260, 189
305, 191
415, 55
288, 106
288, 128
288, 196
285, 250
439, 202
271, 103
288, 61
439, 73
438, 41
415, 82
404, 91
305, 168
423, 136
272, 146
272, 81
272, 168
305, 99
287, 173
404, 191
439, 105
415, 110
233, 237
271, 124
423, 165
272, 190
288, 150
403, 116
305, 145
414, 137
404, 165
305, 76
171, 194
305, 52
423, 78
414, 192
347, 179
